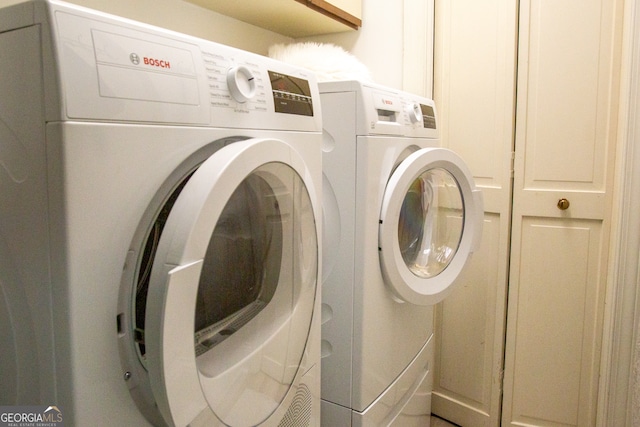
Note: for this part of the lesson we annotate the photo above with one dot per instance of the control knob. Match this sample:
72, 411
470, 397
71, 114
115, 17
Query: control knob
241, 83
415, 113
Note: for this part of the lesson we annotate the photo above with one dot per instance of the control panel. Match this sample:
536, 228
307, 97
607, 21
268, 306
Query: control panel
231, 84
386, 111
245, 87
395, 108
128, 72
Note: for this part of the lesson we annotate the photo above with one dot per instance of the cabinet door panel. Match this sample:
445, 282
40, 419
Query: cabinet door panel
475, 45
467, 344
555, 320
566, 118
563, 93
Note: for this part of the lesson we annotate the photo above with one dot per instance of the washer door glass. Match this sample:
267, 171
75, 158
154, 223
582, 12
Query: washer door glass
430, 222
232, 288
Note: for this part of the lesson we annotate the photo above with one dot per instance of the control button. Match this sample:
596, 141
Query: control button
241, 82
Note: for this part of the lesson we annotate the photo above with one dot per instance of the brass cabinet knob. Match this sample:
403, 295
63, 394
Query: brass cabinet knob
563, 204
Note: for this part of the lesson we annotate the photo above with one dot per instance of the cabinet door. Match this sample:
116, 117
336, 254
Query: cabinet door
293, 18
349, 12
474, 90
565, 139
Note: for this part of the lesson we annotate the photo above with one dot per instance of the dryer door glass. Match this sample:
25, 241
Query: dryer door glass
430, 224
255, 296
242, 265
232, 288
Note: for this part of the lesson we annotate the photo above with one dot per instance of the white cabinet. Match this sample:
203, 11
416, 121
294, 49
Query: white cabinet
554, 104
475, 55
566, 132
294, 18
349, 12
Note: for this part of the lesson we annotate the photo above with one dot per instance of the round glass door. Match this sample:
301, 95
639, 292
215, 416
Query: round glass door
241, 267
430, 222
255, 296
232, 288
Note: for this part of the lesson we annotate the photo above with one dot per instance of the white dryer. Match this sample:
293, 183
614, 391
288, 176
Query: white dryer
402, 216
159, 225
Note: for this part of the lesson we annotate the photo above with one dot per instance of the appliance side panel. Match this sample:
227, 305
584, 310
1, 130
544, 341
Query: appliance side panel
23, 223
338, 246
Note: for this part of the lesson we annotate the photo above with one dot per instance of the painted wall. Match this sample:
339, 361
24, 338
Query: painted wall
378, 44
187, 18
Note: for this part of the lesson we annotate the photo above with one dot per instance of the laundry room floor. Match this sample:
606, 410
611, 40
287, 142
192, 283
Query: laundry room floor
439, 422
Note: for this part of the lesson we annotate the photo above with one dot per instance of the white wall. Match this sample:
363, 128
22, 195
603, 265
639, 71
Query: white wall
395, 43
378, 44
187, 18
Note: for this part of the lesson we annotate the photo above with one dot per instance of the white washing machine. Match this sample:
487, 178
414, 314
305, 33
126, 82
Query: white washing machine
159, 225
402, 216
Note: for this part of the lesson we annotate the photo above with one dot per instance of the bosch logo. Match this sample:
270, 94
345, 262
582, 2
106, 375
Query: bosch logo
387, 102
152, 62
156, 62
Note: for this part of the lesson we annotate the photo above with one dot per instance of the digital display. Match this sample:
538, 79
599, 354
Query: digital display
428, 116
291, 95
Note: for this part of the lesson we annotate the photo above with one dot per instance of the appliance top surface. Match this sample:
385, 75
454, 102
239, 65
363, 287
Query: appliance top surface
381, 110
106, 68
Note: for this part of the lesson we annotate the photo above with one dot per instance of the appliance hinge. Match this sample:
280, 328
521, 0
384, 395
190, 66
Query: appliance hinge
512, 166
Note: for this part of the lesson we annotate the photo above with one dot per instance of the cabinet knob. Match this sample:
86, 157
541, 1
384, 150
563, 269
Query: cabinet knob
563, 204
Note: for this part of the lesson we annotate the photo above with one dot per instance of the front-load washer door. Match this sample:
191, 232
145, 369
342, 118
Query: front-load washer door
232, 288
430, 222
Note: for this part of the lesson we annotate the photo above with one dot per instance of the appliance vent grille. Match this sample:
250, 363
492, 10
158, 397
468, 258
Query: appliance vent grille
299, 413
